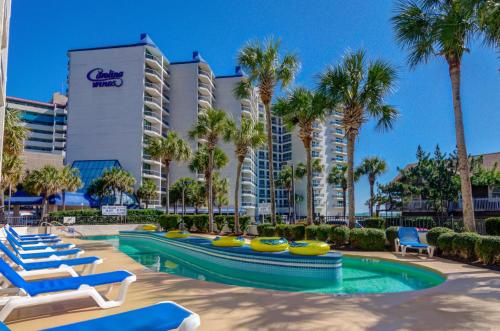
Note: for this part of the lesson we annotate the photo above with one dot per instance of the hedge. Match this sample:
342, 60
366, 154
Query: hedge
339, 235
289, 231
492, 225
93, 216
243, 220
434, 233
391, 234
445, 242
368, 239
200, 222
311, 232
375, 223
488, 249
323, 232
464, 244
261, 229
170, 221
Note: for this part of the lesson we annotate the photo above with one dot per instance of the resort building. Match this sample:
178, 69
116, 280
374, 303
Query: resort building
5, 6
117, 102
47, 127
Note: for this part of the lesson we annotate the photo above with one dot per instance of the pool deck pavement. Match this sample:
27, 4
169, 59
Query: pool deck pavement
468, 300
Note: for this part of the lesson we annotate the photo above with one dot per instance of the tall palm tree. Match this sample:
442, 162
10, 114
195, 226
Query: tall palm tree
99, 189
285, 181
338, 176
183, 185
212, 125
356, 89
196, 195
221, 188
14, 133
266, 69
45, 181
119, 181
12, 168
147, 192
70, 182
249, 135
171, 148
304, 109
371, 167
428, 28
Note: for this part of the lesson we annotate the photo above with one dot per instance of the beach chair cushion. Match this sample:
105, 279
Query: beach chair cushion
409, 237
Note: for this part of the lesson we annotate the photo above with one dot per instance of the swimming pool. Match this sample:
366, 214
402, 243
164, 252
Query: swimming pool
358, 275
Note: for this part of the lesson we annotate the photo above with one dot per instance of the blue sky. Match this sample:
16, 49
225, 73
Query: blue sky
318, 31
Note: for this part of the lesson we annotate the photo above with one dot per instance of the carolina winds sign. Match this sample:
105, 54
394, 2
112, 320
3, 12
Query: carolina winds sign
101, 78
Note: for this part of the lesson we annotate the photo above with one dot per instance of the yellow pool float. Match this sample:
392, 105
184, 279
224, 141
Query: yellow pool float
269, 244
149, 227
177, 234
309, 247
228, 241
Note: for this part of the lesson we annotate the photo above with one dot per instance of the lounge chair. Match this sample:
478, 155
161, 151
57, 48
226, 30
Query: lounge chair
408, 238
24, 293
31, 236
67, 253
37, 247
53, 265
162, 316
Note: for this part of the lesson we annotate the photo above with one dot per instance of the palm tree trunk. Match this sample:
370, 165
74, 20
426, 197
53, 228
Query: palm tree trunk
183, 204
310, 215
344, 202
372, 193
269, 128
289, 191
463, 163
350, 178
44, 206
64, 200
210, 193
237, 198
167, 195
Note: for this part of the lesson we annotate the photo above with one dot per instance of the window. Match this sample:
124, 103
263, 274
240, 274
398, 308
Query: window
339, 158
339, 149
339, 131
495, 193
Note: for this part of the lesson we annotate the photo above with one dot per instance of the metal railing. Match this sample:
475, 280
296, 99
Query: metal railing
153, 86
151, 172
152, 114
153, 129
22, 220
153, 72
153, 57
480, 204
153, 100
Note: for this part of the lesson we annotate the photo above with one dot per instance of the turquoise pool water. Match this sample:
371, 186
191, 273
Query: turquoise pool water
359, 275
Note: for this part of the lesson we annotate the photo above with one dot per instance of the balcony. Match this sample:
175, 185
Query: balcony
151, 173
148, 159
152, 131
480, 204
248, 193
204, 88
246, 110
152, 116
204, 101
154, 75
153, 60
153, 102
153, 88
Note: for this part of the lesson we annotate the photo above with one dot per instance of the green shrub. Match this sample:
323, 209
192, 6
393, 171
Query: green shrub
323, 232
311, 232
375, 223
368, 239
220, 220
298, 232
488, 249
392, 233
434, 233
339, 235
243, 220
281, 230
492, 225
169, 221
445, 242
464, 245
188, 221
200, 222
268, 231
260, 228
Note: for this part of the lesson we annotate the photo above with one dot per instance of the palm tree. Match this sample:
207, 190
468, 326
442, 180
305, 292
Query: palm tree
304, 109
99, 189
119, 181
196, 195
147, 192
266, 69
14, 133
212, 125
356, 89
371, 167
12, 167
171, 148
220, 188
70, 182
446, 28
285, 181
182, 185
338, 176
45, 181
249, 135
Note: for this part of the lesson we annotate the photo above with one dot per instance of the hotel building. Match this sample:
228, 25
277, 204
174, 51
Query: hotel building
47, 125
4, 53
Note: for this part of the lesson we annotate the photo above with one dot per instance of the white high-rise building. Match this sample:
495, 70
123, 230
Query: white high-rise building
4, 54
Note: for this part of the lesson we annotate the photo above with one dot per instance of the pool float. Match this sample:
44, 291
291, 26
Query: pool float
149, 227
228, 241
177, 234
269, 244
309, 247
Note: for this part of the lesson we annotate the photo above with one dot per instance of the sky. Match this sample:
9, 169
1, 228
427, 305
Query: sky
319, 31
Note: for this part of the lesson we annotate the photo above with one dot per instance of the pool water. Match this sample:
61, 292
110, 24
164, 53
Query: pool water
359, 275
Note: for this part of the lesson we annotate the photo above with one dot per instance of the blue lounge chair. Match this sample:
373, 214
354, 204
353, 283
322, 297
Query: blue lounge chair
51, 266
408, 238
67, 253
159, 317
32, 293
31, 236
31, 247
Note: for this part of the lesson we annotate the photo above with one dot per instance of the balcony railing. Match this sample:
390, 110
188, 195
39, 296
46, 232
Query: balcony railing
153, 57
204, 85
152, 114
153, 72
151, 172
153, 86
204, 98
480, 204
151, 128
153, 100
203, 72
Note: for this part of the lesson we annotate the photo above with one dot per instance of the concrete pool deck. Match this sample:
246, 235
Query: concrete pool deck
468, 300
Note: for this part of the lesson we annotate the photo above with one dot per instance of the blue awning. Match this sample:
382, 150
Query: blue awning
74, 199
20, 197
